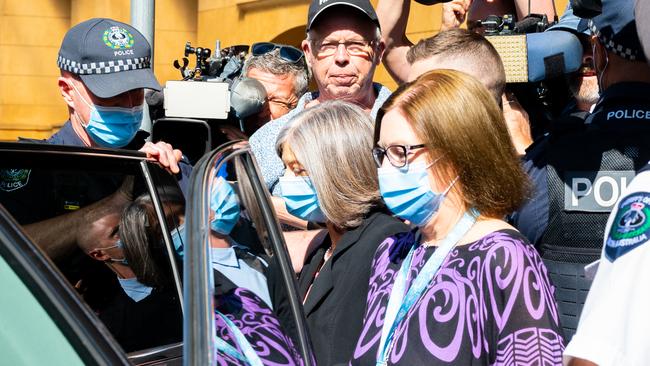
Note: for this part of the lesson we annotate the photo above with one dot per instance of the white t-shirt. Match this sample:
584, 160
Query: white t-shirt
614, 327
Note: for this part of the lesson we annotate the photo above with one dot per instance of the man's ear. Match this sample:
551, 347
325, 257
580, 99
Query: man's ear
381, 48
67, 90
598, 56
99, 255
306, 49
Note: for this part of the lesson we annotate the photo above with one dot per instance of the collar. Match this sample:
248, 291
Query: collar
225, 257
352, 236
625, 93
380, 91
66, 136
228, 256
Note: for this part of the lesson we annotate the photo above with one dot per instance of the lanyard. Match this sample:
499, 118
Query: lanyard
249, 356
400, 301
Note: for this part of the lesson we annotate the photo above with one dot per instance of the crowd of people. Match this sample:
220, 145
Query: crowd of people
426, 225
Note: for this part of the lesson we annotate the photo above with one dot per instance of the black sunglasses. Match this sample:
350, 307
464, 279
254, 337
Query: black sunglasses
287, 53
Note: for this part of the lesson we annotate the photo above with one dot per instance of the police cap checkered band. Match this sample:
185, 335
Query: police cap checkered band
615, 28
103, 67
616, 48
110, 57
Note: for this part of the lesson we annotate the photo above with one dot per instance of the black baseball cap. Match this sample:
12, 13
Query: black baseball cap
110, 57
615, 28
317, 7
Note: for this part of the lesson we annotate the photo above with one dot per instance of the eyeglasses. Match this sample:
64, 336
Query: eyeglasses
397, 154
353, 48
287, 53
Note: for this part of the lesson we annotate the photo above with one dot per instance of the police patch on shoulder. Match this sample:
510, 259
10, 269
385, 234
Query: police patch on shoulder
631, 226
118, 38
13, 179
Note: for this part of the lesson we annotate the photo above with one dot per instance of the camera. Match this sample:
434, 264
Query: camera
191, 112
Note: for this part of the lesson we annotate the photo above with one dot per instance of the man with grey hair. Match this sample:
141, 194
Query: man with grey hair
282, 70
342, 48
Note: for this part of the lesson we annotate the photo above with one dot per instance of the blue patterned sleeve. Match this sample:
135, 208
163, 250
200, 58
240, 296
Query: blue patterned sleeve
263, 146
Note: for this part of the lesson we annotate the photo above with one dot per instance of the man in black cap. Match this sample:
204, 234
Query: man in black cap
105, 67
579, 173
342, 48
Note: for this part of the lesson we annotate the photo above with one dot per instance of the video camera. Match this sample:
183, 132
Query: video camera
190, 113
535, 62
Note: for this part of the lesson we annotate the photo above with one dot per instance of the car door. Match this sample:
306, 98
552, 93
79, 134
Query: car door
42, 321
43, 188
220, 267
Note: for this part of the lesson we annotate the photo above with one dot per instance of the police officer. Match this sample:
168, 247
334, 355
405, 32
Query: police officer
613, 328
583, 83
579, 174
105, 67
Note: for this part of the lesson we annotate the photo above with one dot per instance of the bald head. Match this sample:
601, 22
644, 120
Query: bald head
460, 50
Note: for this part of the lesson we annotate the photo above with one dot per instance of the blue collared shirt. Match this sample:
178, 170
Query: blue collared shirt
225, 260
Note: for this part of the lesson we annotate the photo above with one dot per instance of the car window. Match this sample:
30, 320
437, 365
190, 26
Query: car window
72, 208
254, 308
27, 325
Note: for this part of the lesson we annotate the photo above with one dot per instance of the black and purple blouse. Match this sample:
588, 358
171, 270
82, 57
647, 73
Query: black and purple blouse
259, 325
491, 303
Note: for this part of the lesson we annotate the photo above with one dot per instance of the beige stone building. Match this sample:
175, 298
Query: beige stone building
31, 32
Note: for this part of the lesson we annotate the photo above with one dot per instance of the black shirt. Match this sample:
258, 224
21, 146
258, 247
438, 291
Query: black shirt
337, 299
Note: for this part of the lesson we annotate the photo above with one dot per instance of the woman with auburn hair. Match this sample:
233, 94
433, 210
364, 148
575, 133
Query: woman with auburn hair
331, 179
464, 287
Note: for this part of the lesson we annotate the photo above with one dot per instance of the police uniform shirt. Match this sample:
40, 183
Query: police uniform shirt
622, 106
67, 136
613, 328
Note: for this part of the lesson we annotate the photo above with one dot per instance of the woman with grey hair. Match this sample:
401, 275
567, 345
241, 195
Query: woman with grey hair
331, 179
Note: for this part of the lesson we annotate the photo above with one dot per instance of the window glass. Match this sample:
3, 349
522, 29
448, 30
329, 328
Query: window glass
26, 327
74, 208
249, 292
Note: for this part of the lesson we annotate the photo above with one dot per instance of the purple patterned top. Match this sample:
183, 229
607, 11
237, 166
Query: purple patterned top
259, 325
490, 303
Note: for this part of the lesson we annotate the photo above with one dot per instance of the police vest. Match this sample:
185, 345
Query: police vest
588, 168
586, 172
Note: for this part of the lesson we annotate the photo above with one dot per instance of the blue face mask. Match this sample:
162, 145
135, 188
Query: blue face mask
301, 199
112, 126
135, 289
224, 203
407, 193
178, 238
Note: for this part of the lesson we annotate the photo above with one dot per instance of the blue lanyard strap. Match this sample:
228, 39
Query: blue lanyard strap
401, 301
249, 356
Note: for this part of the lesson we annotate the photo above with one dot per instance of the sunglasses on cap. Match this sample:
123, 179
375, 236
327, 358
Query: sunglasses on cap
287, 53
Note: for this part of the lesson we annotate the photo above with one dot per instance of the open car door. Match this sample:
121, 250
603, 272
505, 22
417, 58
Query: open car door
240, 295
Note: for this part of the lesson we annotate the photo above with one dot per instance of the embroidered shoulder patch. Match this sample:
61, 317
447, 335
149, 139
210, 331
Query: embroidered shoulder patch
631, 227
13, 179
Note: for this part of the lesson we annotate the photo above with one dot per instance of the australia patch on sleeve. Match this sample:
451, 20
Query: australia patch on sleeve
631, 227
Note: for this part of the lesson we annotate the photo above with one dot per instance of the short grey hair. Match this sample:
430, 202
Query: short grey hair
271, 62
333, 142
